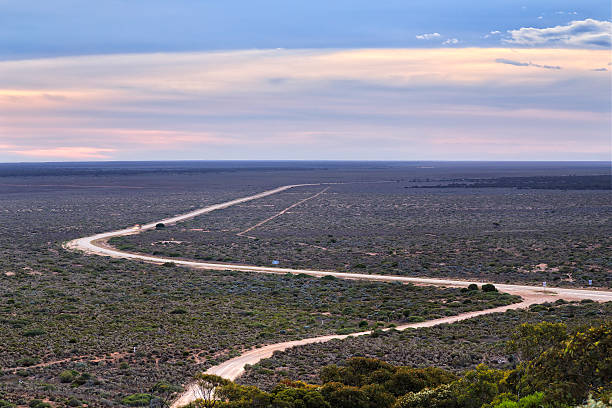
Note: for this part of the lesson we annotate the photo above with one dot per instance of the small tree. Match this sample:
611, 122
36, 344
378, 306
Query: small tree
160, 226
529, 341
206, 384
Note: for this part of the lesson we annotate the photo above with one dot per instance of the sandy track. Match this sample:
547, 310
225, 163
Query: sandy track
259, 224
231, 369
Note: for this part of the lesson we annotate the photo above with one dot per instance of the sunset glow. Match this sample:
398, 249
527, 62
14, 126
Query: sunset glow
445, 102
542, 84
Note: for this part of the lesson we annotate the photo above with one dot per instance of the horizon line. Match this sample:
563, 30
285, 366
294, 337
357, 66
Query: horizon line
308, 160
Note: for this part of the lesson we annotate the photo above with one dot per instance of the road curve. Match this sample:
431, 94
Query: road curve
231, 369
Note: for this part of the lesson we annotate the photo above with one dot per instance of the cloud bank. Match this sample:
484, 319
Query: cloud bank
587, 33
388, 104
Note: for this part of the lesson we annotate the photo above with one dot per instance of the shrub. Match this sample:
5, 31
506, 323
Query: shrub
68, 376
27, 362
440, 397
160, 226
73, 402
569, 371
342, 396
137, 400
531, 340
478, 387
406, 379
33, 333
487, 287
82, 379
36, 403
473, 286
535, 400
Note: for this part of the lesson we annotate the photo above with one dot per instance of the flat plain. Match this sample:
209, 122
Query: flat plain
96, 329
504, 235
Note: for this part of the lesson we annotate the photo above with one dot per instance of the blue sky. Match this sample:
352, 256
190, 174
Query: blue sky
34, 28
386, 80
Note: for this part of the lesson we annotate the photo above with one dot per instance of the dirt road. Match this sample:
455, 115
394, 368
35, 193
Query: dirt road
231, 369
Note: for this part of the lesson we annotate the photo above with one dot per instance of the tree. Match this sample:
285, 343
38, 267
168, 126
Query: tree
406, 380
574, 368
205, 389
298, 398
342, 396
165, 393
530, 340
478, 387
246, 395
377, 396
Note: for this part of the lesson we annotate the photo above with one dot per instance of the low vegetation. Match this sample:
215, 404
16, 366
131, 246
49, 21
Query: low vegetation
495, 234
456, 347
568, 372
86, 328
80, 330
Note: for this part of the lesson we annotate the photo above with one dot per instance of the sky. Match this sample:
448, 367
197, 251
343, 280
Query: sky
272, 79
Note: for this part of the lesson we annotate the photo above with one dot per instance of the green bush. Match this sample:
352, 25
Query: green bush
36, 403
33, 333
27, 362
342, 396
137, 400
68, 376
440, 397
535, 400
82, 379
406, 380
487, 287
574, 368
73, 402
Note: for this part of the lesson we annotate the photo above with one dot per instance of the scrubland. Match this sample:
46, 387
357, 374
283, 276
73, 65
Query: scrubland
93, 330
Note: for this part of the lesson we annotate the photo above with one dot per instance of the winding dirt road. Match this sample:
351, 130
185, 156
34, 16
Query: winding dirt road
231, 369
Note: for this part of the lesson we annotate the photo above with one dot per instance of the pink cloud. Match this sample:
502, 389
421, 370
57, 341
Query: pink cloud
395, 104
72, 153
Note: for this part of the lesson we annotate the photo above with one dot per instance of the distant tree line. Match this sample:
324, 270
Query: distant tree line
596, 182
